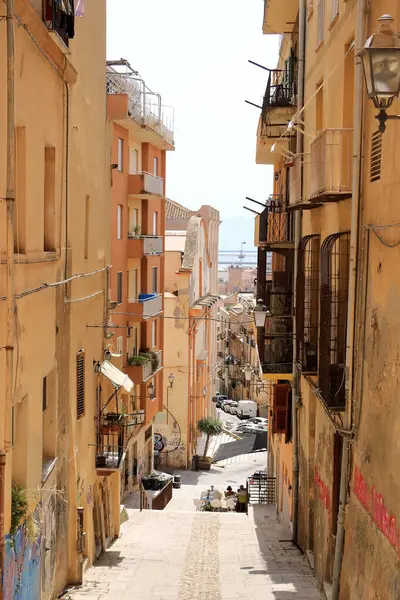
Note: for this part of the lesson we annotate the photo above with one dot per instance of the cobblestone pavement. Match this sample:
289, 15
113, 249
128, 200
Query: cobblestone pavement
180, 554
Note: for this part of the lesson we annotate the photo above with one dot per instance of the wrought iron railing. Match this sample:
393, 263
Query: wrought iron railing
59, 17
109, 446
144, 105
278, 345
277, 223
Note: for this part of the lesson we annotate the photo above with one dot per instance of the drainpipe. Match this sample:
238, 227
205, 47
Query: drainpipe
351, 313
2, 503
297, 237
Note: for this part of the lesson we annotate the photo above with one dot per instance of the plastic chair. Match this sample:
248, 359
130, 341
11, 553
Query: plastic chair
230, 503
197, 503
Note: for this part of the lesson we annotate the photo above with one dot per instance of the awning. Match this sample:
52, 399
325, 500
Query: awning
251, 443
117, 377
206, 301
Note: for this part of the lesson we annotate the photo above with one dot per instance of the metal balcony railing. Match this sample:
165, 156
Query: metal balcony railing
144, 105
279, 93
276, 223
278, 346
59, 17
109, 446
331, 165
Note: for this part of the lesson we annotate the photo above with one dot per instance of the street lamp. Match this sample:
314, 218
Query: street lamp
248, 371
260, 313
171, 379
150, 389
381, 64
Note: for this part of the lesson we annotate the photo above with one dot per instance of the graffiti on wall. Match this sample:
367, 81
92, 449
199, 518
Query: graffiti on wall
374, 504
22, 566
322, 490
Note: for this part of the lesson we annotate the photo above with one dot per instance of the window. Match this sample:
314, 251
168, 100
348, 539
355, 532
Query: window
155, 280
119, 222
320, 22
155, 166
87, 224
335, 253
155, 223
135, 217
20, 189
80, 384
44, 394
134, 161
334, 9
119, 287
133, 284
49, 225
134, 341
154, 334
307, 303
120, 153
282, 401
120, 341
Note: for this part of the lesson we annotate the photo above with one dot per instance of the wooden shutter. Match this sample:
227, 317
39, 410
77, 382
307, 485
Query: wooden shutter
80, 384
280, 406
288, 428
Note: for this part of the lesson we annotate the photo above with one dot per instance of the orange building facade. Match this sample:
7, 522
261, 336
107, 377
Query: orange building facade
140, 141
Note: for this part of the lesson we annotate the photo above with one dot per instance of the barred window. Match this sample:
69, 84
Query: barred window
335, 254
307, 303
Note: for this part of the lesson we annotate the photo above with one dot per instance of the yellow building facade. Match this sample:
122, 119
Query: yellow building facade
190, 334
335, 172
55, 258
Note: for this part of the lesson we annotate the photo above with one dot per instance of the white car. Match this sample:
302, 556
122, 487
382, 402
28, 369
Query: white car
258, 421
232, 408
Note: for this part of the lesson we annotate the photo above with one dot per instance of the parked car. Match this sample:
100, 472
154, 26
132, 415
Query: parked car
232, 408
258, 421
219, 397
221, 401
247, 409
225, 405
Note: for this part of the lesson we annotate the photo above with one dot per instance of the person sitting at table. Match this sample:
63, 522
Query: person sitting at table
241, 500
229, 492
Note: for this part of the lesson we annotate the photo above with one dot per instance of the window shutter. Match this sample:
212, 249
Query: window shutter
288, 428
80, 384
280, 406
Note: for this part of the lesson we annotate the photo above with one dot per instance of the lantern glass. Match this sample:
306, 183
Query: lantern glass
382, 75
247, 373
150, 389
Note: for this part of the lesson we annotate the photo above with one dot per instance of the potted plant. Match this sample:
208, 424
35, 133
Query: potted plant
137, 360
135, 232
210, 426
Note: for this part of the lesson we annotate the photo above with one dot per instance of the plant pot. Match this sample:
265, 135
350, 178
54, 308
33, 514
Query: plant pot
204, 465
146, 483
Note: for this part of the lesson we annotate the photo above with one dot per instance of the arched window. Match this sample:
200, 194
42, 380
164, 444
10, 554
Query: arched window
307, 303
335, 254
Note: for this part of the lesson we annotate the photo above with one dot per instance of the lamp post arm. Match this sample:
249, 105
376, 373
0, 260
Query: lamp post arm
382, 117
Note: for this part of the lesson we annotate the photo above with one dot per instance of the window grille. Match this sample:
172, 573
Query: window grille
335, 253
80, 384
307, 303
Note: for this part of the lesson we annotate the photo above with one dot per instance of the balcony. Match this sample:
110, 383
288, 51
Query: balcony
331, 166
278, 108
143, 366
278, 345
144, 245
146, 306
276, 225
59, 18
145, 184
110, 440
298, 198
132, 104
279, 16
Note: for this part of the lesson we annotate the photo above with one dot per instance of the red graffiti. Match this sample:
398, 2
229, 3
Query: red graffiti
374, 503
323, 490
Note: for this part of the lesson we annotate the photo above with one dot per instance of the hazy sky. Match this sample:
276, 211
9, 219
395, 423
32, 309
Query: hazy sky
195, 54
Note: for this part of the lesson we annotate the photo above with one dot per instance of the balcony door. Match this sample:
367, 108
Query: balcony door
133, 284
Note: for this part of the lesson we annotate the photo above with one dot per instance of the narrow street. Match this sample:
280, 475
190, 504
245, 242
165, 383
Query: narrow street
181, 554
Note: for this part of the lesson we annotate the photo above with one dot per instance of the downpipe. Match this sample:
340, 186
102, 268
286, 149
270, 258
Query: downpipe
351, 312
297, 237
